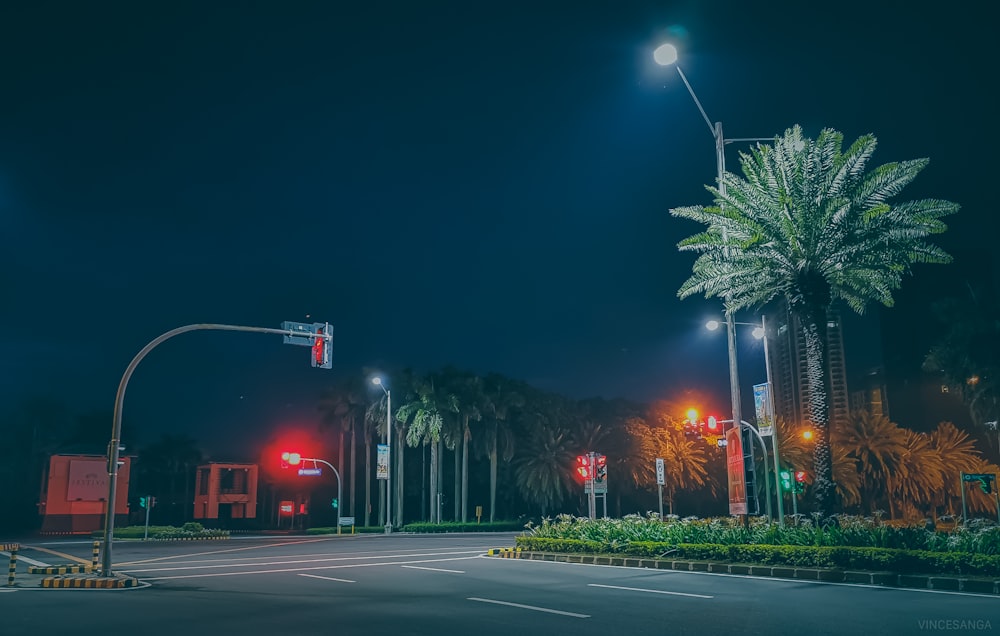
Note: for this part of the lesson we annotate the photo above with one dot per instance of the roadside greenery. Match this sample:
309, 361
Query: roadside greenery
190, 530
853, 543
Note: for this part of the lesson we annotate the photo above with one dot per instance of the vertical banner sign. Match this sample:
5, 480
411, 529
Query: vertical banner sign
762, 405
734, 465
382, 462
660, 476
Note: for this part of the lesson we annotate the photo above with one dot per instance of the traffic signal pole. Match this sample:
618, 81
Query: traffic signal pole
593, 484
116, 426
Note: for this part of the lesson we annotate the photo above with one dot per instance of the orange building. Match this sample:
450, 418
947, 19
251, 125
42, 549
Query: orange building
76, 490
225, 491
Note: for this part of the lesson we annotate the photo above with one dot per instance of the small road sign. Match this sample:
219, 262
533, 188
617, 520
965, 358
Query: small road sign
310, 472
347, 521
660, 473
308, 330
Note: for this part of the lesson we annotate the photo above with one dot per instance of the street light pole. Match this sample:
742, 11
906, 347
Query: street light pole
774, 424
387, 441
666, 55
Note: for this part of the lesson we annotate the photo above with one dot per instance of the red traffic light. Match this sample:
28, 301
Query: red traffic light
713, 424
290, 459
800, 476
583, 466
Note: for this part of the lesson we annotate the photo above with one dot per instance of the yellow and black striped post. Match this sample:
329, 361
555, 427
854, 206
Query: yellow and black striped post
96, 555
13, 567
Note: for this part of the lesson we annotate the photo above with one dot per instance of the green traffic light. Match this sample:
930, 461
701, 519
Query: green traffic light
142, 502
336, 504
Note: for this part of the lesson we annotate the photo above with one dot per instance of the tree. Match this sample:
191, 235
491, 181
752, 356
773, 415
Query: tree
878, 447
501, 398
342, 406
684, 459
958, 455
806, 222
921, 473
423, 412
165, 469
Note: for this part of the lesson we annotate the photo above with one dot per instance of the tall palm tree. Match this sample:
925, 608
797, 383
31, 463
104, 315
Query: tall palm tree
343, 406
424, 415
878, 447
543, 468
501, 398
808, 223
468, 390
374, 422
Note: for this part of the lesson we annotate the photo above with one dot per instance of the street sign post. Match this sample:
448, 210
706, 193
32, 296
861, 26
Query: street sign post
660, 480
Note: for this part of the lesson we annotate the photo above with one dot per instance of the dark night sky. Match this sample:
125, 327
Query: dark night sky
481, 185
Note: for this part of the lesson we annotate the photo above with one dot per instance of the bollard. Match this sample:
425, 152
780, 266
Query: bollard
13, 567
96, 555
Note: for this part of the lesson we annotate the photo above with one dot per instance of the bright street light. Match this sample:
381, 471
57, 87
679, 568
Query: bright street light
387, 440
666, 55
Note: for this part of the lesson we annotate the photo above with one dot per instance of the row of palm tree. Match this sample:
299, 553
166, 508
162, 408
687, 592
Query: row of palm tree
527, 440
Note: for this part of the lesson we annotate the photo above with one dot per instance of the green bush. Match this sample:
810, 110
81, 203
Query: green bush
190, 530
457, 526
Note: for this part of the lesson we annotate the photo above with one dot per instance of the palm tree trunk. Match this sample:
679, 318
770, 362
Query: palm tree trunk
368, 480
814, 321
354, 468
434, 483
457, 481
400, 477
465, 475
493, 483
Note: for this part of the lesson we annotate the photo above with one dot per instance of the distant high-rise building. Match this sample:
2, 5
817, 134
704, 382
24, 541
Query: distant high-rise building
788, 367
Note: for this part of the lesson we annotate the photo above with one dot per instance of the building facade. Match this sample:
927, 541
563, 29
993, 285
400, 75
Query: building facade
788, 368
225, 491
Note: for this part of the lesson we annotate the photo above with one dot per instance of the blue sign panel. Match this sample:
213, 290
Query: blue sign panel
307, 329
310, 472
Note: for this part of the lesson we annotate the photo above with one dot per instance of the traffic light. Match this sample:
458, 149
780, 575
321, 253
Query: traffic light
321, 347
142, 502
601, 470
583, 466
290, 459
800, 481
713, 425
336, 504
786, 479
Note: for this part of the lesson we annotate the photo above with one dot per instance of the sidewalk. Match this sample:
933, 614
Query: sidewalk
971, 584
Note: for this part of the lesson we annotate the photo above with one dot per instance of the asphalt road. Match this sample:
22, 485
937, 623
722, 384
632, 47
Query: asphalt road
444, 584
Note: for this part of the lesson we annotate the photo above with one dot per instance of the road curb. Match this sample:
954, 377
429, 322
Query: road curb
117, 582
983, 585
61, 569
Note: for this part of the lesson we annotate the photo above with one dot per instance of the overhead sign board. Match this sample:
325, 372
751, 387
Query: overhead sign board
307, 329
310, 472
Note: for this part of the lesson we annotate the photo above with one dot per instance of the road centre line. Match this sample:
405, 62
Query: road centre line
530, 607
286, 570
640, 589
292, 562
417, 567
327, 578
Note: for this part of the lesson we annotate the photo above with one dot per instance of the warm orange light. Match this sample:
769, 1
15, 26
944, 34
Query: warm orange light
692, 415
807, 435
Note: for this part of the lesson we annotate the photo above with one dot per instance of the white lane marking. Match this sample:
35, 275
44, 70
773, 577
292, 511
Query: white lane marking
417, 567
327, 578
374, 554
226, 564
21, 557
285, 570
530, 607
253, 547
640, 589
